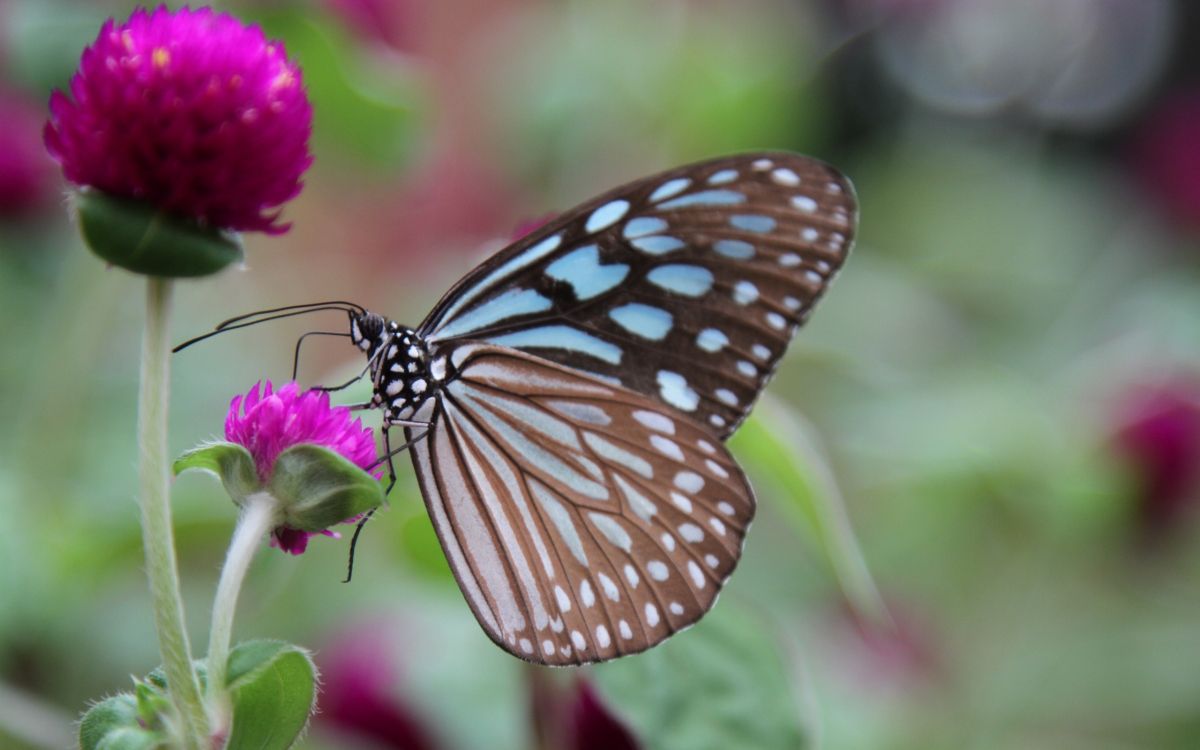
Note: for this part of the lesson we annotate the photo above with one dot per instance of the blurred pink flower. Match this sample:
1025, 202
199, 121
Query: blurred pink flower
191, 111
591, 726
884, 657
576, 718
1158, 432
531, 225
1166, 156
360, 696
266, 424
388, 22
24, 168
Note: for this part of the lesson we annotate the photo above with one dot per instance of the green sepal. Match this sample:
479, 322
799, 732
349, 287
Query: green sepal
230, 462
318, 488
152, 702
116, 723
273, 689
139, 237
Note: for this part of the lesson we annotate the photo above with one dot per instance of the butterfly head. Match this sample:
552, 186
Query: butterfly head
369, 331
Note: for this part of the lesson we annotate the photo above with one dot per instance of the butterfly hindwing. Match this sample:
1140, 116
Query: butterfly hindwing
582, 520
685, 286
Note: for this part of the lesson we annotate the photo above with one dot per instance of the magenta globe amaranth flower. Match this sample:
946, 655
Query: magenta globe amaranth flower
191, 111
180, 128
267, 422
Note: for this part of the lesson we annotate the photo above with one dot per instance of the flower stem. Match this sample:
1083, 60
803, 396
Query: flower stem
157, 533
259, 515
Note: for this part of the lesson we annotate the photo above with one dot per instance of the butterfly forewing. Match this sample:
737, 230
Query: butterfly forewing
686, 286
583, 520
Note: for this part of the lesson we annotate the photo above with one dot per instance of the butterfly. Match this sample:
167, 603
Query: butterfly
566, 403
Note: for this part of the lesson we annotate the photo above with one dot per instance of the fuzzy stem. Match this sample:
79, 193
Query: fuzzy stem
157, 534
259, 515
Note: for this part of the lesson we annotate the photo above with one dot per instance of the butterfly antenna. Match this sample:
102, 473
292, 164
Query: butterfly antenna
252, 319
308, 306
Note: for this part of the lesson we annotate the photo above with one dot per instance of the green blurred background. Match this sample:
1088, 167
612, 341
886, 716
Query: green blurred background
1001, 393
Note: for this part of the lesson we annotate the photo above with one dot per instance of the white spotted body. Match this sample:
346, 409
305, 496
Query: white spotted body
401, 369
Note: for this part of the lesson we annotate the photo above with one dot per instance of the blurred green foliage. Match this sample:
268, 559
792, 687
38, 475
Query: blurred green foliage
959, 387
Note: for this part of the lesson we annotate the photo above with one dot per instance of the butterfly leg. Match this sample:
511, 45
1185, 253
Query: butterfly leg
387, 443
389, 455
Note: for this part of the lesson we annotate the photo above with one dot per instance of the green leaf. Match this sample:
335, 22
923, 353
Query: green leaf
143, 239
230, 462
783, 454
273, 687
318, 488
720, 685
114, 724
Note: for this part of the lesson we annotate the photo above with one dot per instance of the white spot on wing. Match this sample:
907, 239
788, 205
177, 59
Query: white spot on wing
612, 530
589, 413
641, 506
670, 188
606, 215
564, 601
643, 225
667, 447
683, 502
631, 575
716, 468
655, 421
744, 292
711, 340
658, 570
722, 177
689, 481
608, 587
785, 176
675, 390
804, 203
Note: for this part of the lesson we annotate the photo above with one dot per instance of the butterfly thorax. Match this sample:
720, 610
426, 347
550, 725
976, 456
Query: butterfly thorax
399, 365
